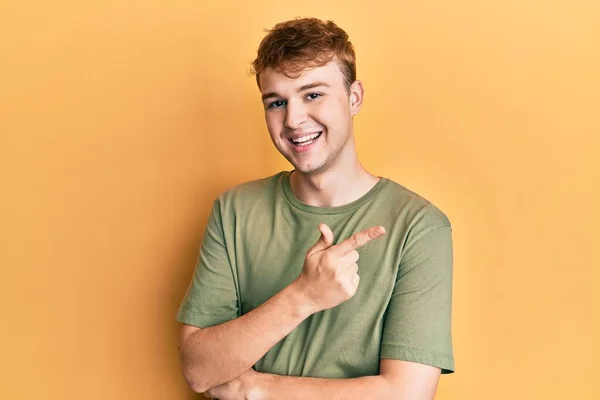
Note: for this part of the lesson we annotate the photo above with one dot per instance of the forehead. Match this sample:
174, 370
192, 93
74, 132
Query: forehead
273, 81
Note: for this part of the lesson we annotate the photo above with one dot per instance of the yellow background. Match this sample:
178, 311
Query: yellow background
121, 121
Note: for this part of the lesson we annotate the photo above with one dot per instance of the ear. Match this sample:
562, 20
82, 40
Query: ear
356, 97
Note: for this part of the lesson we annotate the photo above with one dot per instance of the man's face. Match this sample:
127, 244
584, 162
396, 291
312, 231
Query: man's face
310, 118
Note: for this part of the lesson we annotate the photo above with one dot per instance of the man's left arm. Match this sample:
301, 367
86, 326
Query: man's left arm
397, 380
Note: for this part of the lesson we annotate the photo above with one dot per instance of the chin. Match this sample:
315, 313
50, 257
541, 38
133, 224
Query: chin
310, 169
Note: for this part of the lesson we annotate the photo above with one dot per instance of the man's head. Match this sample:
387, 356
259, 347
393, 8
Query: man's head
306, 71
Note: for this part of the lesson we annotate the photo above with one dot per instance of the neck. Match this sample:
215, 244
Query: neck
340, 184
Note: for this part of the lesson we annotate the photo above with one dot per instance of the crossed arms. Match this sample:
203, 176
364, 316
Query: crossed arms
218, 360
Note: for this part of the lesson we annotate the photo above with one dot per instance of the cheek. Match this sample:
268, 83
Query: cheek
330, 115
274, 124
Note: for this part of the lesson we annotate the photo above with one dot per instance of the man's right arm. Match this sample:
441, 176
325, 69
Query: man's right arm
214, 355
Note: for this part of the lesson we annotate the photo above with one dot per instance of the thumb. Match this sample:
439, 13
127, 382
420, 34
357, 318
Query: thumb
326, 239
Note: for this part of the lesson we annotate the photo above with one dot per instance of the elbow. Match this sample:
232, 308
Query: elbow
194, 380
197, 387
191, 363
192, 371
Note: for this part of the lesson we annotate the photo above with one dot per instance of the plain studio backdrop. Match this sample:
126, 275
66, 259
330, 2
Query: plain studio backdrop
120, 121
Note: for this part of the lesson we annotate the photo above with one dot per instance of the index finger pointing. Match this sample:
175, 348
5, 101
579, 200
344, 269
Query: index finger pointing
359, 239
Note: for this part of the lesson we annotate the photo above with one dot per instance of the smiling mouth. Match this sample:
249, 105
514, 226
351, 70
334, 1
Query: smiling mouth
306, 140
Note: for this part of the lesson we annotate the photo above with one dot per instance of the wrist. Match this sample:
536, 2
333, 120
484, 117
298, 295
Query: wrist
261, 382
300, 302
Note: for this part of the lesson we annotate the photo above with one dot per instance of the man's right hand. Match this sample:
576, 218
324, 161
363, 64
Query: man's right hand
330, 273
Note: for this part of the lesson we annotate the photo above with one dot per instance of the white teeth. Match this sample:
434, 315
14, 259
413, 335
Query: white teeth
306, 138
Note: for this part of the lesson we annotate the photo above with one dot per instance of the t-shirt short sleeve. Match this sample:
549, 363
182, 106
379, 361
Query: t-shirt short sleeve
211, 298
417, 323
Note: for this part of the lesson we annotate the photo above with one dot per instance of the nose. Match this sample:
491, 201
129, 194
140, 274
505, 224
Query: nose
295, 115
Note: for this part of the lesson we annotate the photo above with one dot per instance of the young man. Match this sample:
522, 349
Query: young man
326, 281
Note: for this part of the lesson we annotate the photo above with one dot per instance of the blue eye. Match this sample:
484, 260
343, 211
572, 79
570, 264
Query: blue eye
277, 104
313, 96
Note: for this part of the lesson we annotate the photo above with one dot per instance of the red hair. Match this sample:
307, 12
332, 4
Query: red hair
295, 45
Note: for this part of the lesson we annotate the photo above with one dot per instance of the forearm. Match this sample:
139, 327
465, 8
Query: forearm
214, 355
397, 380
292, 388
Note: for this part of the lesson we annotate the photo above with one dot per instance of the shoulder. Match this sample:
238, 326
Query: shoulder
417, 212
250, 193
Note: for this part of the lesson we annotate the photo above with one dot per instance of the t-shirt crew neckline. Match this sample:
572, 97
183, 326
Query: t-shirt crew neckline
294, 201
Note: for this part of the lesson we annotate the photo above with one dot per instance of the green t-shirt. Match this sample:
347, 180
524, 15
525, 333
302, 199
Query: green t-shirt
254, 245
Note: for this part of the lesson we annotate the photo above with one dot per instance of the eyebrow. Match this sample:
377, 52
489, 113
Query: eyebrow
300, 89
